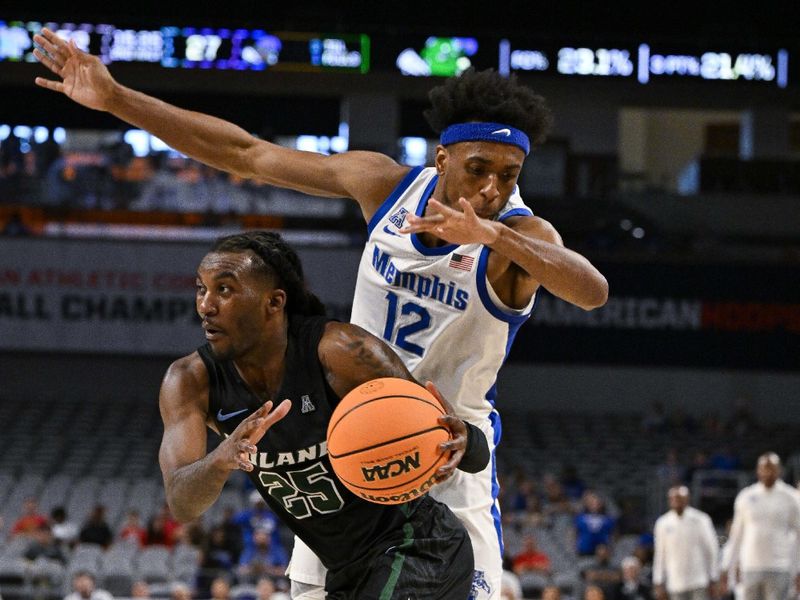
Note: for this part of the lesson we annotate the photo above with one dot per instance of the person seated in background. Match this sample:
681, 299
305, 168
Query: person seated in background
632, 587
84, 588
44, 545
531, 559
220, 589
140, 589
180, 591
593, 526
162, 529
594, 592
96, 529
551, 592
132, 529
64, 531
266, 590
259, 516
601, 573
30, 520
556, 502
261, 559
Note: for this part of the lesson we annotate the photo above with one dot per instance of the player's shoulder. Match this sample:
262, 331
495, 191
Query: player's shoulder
186, 374
337, 335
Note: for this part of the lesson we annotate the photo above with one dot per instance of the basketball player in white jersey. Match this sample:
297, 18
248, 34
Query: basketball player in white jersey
453, 261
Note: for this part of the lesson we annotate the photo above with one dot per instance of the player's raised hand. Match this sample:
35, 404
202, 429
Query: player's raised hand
454, 226
84, 78
234, 451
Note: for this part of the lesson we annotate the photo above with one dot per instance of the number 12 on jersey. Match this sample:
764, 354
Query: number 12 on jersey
400, 336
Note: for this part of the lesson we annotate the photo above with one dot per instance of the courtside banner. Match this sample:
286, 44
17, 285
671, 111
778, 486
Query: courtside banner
137, 297
721, 316
130, 298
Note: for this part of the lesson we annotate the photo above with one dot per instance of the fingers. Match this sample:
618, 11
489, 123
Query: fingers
469, 212
446, 470
253, 428
56, 86
59, 54
263, 423
431, 387
435, 391
53, 40
47, 61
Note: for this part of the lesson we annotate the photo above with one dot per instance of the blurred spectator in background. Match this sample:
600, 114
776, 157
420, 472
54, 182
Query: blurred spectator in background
671, 471
30, 520
601, 572
699, 463
132, 529
266, 590
725, 459
180, 591
15, 226
232, 532
64, 531
84, 588
573, 485
44, 545
632, 587
655, 419
259, 516
593, 526
594, 592
685, 565
792, 471
217, 557
743, 419
140, 589
530, 559
162, 528
764, 535
261, 559
556, 502
551, 592
96, 529
220, 589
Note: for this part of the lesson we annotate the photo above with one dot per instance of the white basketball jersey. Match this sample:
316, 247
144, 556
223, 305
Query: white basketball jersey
434, 306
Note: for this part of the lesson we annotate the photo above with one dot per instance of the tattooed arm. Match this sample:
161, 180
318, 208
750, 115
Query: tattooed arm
351, 356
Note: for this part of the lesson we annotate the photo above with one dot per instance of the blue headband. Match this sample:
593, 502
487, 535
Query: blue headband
485, 132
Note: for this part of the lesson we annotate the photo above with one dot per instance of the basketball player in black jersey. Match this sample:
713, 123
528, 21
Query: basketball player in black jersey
267, 380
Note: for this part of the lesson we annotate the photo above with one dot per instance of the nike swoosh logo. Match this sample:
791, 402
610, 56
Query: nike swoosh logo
389, 231
222, 417
506, 132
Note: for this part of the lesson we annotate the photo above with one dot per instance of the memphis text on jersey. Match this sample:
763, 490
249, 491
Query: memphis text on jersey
421, 286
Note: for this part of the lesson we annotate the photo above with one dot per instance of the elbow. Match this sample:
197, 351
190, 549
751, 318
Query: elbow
597, 294
182, 514
181, 511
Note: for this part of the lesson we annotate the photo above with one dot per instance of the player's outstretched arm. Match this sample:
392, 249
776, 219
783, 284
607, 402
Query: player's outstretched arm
351, 356
193, 479
529, 243
367, 177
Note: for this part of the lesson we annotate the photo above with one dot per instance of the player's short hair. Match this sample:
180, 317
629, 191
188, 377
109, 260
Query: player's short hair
490, 97
279, 260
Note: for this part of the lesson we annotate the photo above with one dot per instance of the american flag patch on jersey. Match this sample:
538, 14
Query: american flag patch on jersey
459, 261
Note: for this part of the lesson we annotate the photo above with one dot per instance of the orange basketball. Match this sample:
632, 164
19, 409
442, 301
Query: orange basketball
383, 440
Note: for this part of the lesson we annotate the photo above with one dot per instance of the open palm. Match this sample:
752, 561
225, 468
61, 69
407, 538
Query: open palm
84, 78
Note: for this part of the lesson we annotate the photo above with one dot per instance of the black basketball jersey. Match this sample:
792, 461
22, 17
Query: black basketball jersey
292, 469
